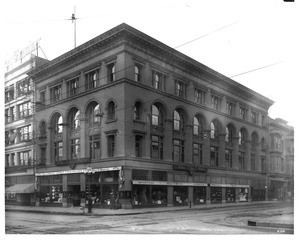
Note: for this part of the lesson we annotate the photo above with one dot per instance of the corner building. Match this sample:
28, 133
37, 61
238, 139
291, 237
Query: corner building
125, 113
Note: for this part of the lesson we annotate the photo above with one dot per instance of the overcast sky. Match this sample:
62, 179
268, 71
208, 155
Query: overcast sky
233, 36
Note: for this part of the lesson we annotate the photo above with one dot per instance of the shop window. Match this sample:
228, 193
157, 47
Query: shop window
216, 194
93, 191
181, 196
95, 146
199, 196
230, 194
243, 195
51, 194
159, 195
156, 147
141, 195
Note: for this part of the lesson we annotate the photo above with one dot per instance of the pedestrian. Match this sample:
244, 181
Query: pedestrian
90, 203
112, 199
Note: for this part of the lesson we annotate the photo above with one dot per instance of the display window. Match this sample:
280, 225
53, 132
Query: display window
216, 194
181, 196
101, 194
11, 197
230, 194
51, 194
149, 195
243, 195
73, 195
199, 195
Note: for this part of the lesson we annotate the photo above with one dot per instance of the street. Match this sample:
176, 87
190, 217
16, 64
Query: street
205, 221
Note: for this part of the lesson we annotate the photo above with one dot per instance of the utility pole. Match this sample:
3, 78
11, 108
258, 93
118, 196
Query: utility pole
74, 18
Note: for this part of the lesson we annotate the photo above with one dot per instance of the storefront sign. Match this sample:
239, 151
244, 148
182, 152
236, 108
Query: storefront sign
192, 168
79, 171
166, 183
228, 185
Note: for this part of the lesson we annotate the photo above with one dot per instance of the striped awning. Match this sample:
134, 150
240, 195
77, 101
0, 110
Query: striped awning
20, 188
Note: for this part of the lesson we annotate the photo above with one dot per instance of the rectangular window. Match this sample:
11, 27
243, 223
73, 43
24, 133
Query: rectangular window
215, 102
179, 89
197, 153
243, 113
214, 157
14, 160
254, 116
178, 151
92, 79
156, 147
253, 162
43, 97
95, 146
111, 70
25, 110
56, 93
24, 158
111, 145
230, 108
26, 133
7, 115
199, 96
158, 80
10, 93
43, 155
7, 160
242, 161
24, 87
138, 146
58, 151
12, 114
263, 120
263, 164
137, 73
73, 87
75, 148
228, 158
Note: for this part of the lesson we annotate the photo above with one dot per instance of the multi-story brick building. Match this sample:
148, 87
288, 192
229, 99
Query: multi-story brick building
19, 122
124, 113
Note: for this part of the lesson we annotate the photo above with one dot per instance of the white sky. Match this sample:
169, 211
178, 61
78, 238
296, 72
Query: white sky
261, 33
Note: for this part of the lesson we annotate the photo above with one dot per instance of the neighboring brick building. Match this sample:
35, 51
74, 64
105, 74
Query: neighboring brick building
125, 113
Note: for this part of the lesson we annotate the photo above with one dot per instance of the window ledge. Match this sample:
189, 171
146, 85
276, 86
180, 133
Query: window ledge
111, 121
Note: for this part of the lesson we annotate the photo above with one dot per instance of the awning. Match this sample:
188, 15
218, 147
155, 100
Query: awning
21, 188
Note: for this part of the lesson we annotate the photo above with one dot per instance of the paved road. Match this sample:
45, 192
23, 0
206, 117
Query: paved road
210, 221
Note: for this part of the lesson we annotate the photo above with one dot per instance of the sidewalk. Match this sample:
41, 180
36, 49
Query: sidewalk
108, 212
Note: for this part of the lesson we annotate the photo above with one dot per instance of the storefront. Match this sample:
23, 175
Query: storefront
199, 195
243, 194
73, 188
20, 194
216, 195
181, 196
230, 194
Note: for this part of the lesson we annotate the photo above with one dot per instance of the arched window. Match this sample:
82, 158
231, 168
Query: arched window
213, 131
94, 115
177, 121
137, 74
196, 126
137, 111
254, 140
111, 110
74, 119
229, 134
155, 116
57, 124
242, 137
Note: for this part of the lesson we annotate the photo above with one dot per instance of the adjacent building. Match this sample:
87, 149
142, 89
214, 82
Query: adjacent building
19, 125
126, 119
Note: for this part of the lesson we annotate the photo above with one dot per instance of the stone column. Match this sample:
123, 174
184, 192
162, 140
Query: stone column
82, 189
223, 195
208, 98
190, 194
237, 198
65, 190
49, 148
170, 196
148, 137
208, 200
66, 139
258, 157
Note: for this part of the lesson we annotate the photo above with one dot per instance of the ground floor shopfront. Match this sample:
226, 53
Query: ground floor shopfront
135, 188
